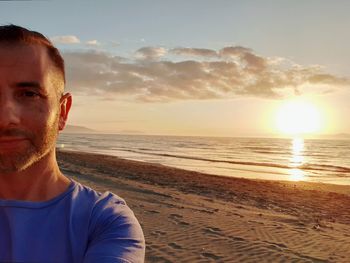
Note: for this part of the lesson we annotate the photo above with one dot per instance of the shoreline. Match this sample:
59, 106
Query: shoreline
307, 185
256, 158
172, 203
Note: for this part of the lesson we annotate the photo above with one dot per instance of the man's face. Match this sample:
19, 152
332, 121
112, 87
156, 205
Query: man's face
30, 109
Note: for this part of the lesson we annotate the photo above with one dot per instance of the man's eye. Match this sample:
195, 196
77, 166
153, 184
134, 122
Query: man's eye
30, 94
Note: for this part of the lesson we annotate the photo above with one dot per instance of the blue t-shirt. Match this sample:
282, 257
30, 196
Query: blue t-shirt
79, 225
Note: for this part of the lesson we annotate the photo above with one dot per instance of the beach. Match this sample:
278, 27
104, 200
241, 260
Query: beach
189, 216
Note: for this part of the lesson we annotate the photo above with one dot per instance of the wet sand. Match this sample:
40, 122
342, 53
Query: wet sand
193, 217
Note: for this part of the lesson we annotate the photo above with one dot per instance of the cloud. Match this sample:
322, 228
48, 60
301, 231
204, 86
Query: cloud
234, 51
201, 52
327, 79
232, 72
92, 43
65, 39
150, 53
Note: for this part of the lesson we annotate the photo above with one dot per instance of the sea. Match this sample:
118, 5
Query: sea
295, 159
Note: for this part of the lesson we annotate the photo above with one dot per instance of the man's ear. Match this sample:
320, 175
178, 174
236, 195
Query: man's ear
65, 104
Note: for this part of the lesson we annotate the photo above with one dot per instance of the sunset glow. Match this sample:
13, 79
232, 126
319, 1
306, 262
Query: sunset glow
298, 117
226, 80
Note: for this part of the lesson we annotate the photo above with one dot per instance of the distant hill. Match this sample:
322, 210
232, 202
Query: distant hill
78, 129
130, 132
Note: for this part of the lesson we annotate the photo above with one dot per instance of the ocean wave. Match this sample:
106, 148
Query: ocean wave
305, 166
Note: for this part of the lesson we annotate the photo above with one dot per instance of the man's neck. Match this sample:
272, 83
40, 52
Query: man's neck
40, 182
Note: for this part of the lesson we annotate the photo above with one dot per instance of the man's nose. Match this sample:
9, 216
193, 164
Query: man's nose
9, 111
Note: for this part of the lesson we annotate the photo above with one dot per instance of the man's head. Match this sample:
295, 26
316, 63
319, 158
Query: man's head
12, 34
32, 107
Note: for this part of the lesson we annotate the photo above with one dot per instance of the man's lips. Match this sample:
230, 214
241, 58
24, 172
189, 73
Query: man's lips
8, 142
11, 138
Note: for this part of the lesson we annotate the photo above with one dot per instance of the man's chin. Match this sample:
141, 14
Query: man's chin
14, 166
24, 155
14, 162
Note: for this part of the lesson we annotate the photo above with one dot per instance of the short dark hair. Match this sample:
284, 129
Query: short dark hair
16, 34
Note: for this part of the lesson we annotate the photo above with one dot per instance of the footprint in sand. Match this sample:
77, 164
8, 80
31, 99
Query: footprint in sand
153, 211
176, 218
159, 259
276, 246
256, 222
234, 214
174, 245
238, 239
207, 211
211, 255
212, 230
158, 233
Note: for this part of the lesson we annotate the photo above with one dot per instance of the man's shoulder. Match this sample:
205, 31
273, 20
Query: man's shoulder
101, 206
113, 226
104, 208
98, 198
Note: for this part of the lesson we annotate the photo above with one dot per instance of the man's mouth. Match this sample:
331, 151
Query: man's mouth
11, 142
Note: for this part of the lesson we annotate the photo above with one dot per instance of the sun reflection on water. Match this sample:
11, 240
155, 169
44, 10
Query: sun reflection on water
296, 174
297, 160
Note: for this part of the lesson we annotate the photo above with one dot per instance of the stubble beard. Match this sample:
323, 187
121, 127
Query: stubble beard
39, 145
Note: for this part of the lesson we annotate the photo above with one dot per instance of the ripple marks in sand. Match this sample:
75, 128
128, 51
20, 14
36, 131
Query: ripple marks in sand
212, 231
174, 245
210, 255
274, 244
158, 233
177, 219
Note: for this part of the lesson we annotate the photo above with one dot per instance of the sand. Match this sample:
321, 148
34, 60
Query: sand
193, 217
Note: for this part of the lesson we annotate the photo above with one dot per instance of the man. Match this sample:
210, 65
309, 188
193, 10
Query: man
45, 216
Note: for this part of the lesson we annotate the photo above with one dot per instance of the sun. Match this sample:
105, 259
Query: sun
298, 117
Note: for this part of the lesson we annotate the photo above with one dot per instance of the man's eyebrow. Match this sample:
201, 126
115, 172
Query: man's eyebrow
29, 84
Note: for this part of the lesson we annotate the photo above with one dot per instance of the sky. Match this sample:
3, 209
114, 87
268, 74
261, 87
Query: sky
197, 67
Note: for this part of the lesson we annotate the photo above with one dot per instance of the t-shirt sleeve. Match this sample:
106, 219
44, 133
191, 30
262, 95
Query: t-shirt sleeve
116, 235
